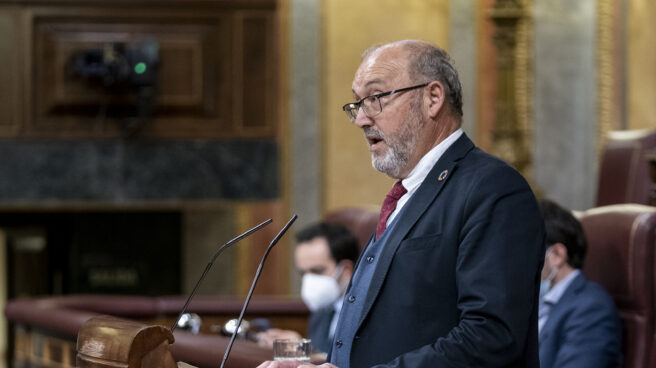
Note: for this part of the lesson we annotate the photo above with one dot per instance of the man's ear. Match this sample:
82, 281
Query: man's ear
435, 98
558, 255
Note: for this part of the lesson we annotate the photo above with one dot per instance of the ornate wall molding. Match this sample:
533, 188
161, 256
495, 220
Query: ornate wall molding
612, 74
604, 69
524, 83
511, 134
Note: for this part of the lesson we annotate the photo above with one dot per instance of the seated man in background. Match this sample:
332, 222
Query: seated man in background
577, 321
325, 255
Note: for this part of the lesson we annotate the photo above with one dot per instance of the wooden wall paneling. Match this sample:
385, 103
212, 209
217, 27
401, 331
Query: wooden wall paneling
195, 83
211, 63
10, 76
275, 274
258, 63
237, 72
69, 103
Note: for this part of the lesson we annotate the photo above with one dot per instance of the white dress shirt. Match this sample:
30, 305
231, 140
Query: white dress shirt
412, 182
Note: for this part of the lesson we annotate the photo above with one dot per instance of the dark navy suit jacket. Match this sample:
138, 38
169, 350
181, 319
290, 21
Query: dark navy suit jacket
319, 329
583, 329
457, 282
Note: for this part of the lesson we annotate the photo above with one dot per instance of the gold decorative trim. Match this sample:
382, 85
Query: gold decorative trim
605, 82
512, 130
524, 85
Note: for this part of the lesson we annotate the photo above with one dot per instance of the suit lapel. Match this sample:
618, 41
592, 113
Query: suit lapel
412, 211
562, 306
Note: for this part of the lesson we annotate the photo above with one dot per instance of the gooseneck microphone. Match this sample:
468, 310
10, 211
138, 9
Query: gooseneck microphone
250, 292
211, 262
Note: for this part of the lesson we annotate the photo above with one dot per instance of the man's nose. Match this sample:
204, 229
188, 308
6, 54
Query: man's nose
361, 119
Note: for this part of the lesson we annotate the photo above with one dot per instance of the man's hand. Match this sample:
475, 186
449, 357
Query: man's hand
266, 338
293, 364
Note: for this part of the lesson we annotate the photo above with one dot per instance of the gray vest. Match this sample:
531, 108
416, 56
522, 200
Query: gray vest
355, 296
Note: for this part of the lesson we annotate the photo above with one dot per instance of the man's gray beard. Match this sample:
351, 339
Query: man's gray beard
400, 146
394, 160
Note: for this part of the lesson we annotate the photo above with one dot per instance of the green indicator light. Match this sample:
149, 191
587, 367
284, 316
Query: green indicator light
140, 68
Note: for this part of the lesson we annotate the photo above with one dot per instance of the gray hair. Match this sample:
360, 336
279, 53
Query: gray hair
429, 63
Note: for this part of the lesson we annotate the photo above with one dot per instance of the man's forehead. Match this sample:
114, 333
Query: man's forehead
316, 249
314, 255
380, 68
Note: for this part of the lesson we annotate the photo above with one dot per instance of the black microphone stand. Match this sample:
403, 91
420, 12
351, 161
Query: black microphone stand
211, 262
250, 292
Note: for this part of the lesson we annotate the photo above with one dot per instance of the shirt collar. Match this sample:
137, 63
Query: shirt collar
338, 304
424, 166
412, 182
556, 292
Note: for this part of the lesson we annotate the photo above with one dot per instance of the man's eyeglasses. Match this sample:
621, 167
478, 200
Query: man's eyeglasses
371, 104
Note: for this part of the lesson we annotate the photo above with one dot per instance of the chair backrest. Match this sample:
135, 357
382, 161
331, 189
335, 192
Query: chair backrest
624, 170
620, 257
361, 222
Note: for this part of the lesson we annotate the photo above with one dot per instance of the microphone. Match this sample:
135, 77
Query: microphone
250, 292
211, 262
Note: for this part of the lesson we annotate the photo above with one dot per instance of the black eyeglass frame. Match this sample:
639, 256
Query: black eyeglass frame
358, 104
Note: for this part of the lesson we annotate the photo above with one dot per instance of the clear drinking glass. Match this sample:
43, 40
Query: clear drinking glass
294, 349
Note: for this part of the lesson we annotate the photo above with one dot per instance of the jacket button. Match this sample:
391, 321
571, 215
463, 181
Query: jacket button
338, 343
351, 298
370, 259
357, 337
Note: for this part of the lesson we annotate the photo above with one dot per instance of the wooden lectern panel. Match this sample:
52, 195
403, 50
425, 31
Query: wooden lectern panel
108, 342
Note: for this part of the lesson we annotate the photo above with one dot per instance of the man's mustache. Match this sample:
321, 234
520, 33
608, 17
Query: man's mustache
371, 133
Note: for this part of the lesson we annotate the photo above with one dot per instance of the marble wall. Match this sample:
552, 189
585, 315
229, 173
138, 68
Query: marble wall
565, 101
304, 104
463, 46
123, 171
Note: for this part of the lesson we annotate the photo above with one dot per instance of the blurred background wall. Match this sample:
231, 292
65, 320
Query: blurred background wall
128, 184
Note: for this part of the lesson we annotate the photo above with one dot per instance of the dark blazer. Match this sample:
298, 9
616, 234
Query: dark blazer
319, 329
583, 329
457, 283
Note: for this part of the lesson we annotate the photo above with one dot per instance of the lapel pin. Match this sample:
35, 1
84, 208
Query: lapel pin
443, 175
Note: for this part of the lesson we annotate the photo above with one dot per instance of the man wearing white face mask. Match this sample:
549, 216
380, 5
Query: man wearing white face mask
325, 255
577, 321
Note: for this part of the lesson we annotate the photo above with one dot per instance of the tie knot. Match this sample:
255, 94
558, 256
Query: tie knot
397, 191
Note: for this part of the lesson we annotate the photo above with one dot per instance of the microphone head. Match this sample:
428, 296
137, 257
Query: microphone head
190, 322
230, 327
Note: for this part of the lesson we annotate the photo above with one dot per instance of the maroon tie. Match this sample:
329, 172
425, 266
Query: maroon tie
389, 204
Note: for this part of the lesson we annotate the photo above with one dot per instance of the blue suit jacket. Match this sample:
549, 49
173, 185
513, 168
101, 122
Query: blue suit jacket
319, 329
457, 282
583, 329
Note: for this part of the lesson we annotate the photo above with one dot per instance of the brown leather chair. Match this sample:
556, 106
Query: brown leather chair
620, 257
624, 170
361, 222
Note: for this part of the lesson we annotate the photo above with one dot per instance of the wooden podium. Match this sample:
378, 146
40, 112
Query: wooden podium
110, 342
49, 331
